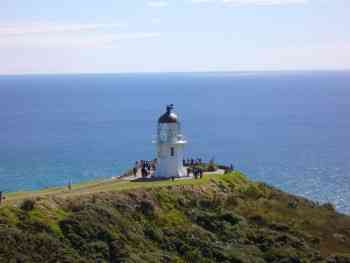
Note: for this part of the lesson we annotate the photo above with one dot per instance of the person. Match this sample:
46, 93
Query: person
0, 197
144, 172
134, 171
188, 171
232, 168
70, 185
200, 173
173, 178
195, 173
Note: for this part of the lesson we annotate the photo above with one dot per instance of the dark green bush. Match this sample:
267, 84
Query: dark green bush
28, 205
153, 233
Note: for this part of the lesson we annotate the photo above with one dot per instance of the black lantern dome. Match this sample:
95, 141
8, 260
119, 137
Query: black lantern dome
169, 116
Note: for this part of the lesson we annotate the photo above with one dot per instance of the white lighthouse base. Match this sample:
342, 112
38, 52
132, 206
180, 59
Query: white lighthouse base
169, 169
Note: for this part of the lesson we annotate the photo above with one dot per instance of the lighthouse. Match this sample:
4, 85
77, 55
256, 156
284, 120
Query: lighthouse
170, 146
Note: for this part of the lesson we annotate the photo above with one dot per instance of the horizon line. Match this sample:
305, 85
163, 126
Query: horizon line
177, 72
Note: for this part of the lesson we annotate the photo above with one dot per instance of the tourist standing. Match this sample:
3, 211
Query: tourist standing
144, 172
195, 173
200, 172
188, 171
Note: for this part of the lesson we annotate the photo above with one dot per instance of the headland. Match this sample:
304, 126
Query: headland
218, 218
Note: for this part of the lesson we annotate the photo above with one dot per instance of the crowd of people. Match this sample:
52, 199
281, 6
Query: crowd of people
146, 167
196, 171
192, 162
194, 167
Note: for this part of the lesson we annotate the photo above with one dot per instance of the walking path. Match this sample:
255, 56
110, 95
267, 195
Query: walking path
139, 176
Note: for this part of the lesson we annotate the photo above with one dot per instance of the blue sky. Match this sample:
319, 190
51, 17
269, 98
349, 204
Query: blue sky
90, 36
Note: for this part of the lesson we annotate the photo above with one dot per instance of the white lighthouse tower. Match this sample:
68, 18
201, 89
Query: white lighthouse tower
170, 145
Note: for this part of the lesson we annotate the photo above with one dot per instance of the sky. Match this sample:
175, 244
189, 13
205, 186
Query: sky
114, 36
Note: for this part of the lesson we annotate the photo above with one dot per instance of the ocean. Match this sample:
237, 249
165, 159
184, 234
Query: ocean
288, 129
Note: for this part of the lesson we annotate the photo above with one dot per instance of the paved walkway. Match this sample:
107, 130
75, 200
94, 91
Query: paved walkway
139, 176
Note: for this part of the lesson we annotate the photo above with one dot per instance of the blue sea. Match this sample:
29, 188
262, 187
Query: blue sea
289, 129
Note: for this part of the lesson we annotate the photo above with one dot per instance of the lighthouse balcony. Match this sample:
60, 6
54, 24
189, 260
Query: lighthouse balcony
179, 139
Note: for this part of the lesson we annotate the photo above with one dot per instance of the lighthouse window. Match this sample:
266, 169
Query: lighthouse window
172, 151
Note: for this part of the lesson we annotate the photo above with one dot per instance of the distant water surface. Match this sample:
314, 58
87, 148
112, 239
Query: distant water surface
289, 129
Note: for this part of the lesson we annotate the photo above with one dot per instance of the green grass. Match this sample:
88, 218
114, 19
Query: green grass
109, 185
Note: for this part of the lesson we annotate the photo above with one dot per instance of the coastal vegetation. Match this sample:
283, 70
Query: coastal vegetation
219, 218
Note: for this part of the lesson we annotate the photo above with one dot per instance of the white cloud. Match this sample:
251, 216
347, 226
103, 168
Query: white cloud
41, 28
72, 41
265, 2
203, 1
157, 4
66, 35
138, 35
253, 2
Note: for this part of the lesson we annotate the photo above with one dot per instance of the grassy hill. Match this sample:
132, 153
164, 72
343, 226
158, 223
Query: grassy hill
220, 218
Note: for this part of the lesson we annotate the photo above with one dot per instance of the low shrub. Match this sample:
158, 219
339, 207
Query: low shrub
28, 205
